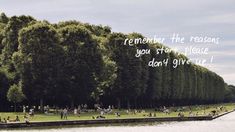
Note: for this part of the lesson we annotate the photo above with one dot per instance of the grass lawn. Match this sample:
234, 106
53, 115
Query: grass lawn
200, 110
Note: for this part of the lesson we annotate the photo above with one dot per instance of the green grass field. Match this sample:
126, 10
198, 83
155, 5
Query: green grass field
200, 110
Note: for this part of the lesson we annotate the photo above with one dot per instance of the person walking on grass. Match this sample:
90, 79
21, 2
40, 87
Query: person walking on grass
65, 113
75, 112
24, 109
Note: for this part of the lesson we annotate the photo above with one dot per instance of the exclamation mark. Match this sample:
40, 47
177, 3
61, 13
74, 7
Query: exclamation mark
212, 57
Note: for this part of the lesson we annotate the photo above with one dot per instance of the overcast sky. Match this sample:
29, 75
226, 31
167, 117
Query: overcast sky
148, 17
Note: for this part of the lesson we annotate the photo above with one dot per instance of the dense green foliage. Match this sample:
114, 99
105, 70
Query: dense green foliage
73, 63
15, 94
229, 93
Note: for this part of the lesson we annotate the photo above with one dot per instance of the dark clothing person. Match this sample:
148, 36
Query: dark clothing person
61, 114
4, 120
8, 119
17, 119
26, 119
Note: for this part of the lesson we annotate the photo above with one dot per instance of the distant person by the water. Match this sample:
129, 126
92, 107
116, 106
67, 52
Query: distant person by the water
85, 106
102, 112
65, 113
26, 119
61, 114
135, 112
31, 112
8, 119
24, 109
117, 114
190, 113
75, 111
100, 117
213, 112
17, 119
180, 114
4, 120
155, 115
79, 107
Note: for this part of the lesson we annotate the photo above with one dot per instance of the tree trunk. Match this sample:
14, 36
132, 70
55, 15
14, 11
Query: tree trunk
118, 103
41, 105
135, 101
14, 106
72, 104
128, 104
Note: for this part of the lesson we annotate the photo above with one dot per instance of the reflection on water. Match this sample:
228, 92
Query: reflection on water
222, 124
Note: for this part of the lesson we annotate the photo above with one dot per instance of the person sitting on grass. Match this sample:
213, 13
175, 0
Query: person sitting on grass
102, 112
8, 119
109, 110
26, 118
100, 117
117, 114
167, 111
214, 112
180, 114
4, 120
31, 112
190, 113
17, 119
142, 111
135, 112
154, 115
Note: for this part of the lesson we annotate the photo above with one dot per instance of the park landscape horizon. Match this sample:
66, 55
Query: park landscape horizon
76, 71
39, 54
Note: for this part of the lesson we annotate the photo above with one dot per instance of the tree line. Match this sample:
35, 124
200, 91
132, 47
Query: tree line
229, 93
71, 63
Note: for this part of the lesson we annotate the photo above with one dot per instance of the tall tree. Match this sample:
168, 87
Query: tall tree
4, 86
37, 60
87, 71
15, 95
127, 85
3, 18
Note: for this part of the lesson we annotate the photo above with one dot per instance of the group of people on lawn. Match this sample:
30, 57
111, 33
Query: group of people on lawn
103, 111
76, 111
7, 120
64, 113
17, 119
